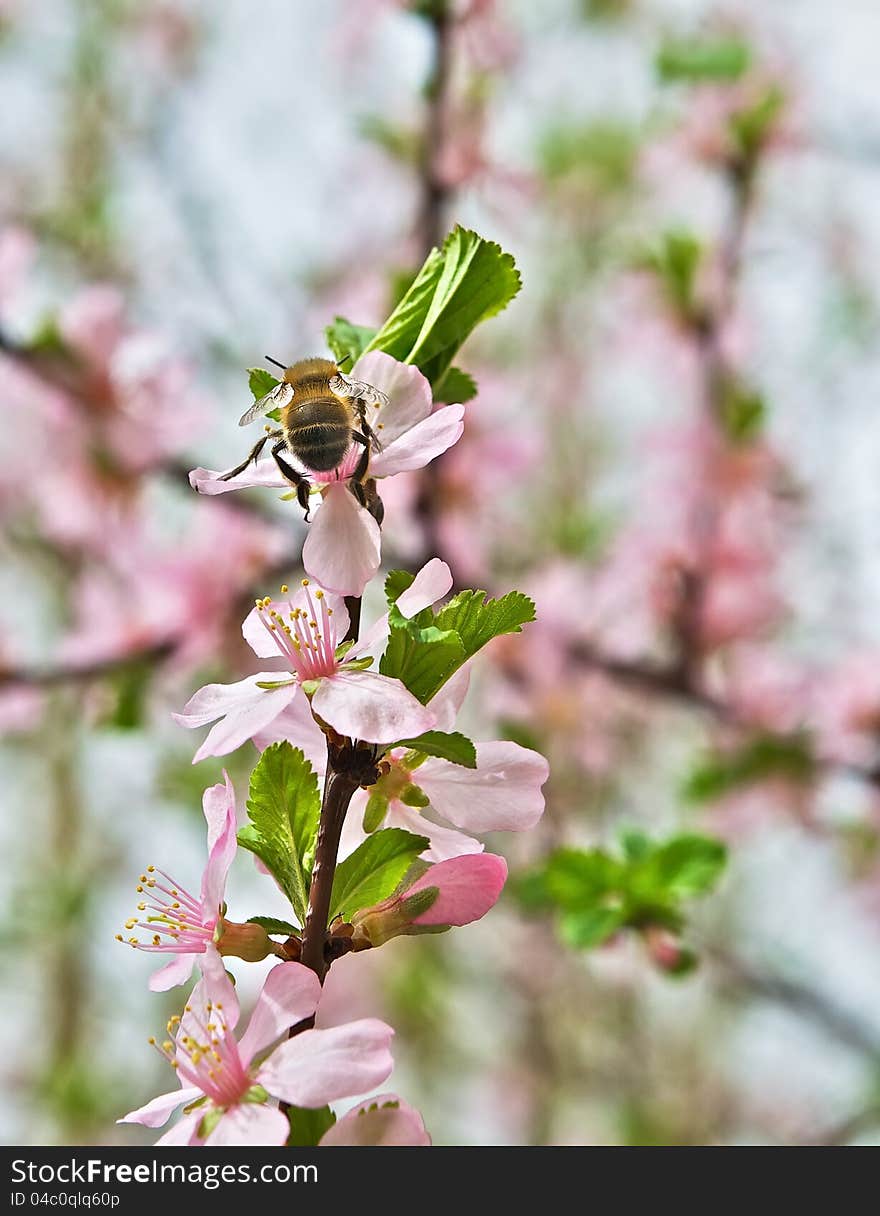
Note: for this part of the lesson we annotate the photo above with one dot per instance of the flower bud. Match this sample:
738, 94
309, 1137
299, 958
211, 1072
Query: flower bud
452, 892
250, 942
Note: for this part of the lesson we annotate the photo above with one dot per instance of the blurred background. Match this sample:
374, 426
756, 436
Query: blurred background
675, 450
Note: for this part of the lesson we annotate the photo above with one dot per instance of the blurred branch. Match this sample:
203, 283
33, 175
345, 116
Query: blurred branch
673, 684
434, 190
84, 673
435, 194
740, 977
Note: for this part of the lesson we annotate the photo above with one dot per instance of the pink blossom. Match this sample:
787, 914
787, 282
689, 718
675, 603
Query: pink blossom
381, 1121
453, 892
342, 549
503, 793
149, 589
222, 1075
179, 923
846, 711
305, 631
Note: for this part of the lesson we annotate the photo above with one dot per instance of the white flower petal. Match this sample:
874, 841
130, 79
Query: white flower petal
249, 1123
502, 793
264, 473
418, 446
161, 1108
344, 544
366, 705
408, 392
243, 708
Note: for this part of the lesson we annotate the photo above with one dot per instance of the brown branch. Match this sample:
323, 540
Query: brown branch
338, 790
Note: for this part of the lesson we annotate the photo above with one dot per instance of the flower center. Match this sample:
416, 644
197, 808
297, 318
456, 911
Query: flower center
205, 1054
305, 636
171, 915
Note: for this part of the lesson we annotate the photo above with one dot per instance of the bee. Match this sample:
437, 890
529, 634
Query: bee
322, 415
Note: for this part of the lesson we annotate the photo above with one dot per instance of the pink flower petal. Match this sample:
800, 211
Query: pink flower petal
431, 583
366, 705
299, 728
502, 793
420, 445
319, 1066
175, 972
394, 1123
160, 1109
264, 473
250, 1123
218, 803
258, 637
184, 1132
448, 701
408, 391
469, 887
244, 709
214, 986
291, 992
445, 842
343, 547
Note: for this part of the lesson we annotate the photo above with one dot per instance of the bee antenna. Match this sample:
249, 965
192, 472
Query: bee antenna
345, 359
269, 359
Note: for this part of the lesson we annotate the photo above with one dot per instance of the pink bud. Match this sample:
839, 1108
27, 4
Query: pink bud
453, 892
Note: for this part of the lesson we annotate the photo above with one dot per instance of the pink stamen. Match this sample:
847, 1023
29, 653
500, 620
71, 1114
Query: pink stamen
305, 637
179, 926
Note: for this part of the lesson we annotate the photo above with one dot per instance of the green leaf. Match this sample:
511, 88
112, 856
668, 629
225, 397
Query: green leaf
596, 894
396, 582
456, 387
260, 381
688, 865
586, 930
308, 1126
576, 876
426, 650
423, 666
602, 153
477, 620
399, 141
696, 60
751, 126
284, 806
743, 413
347, 340
788, 756
675, 259
272, 925
452, 746
374, 870
467, 281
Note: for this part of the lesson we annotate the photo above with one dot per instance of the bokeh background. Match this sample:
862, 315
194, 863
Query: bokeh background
675, 449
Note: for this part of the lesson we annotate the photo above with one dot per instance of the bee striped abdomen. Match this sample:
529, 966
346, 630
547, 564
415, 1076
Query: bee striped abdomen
318, 432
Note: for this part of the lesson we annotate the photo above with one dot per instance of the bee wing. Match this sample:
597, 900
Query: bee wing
280, 395
343, 386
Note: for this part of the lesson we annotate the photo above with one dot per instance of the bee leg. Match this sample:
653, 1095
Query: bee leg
356, 484
296, 479
255, 452
367, 435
